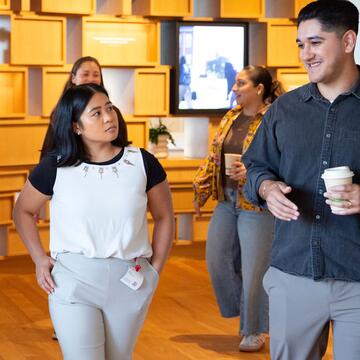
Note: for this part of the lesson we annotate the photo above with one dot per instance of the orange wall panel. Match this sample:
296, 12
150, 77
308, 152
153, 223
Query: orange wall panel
152, 91
242, 8
20, 142
53, 82
119, 43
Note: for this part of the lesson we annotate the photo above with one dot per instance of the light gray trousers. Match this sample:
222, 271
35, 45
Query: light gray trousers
96, 316
301, 310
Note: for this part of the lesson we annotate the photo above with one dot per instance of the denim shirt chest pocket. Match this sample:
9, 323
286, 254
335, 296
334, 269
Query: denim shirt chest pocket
346, 149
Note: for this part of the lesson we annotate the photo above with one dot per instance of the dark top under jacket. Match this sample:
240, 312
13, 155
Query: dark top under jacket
301, 135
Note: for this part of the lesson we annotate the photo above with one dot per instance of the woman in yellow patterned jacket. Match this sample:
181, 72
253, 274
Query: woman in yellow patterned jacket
239, 234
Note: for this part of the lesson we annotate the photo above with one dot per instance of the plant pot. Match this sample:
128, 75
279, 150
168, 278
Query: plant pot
161, 149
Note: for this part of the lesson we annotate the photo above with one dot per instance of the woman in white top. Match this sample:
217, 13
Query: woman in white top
103, 270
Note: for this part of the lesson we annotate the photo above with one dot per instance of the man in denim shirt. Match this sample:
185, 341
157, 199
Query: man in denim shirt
315, 274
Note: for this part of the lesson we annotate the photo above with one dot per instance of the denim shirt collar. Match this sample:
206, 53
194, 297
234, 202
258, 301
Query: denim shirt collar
311, 90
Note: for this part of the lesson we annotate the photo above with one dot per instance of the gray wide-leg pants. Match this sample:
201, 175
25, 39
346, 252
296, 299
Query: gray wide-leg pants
301, 310
96, 316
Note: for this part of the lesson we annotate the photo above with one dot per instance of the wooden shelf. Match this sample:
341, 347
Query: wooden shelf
13, 91
117, 42
45, 46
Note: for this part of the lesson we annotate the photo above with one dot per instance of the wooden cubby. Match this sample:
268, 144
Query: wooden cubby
6, 207
151, 226
299, 4
84, 7
178, 8
180, 175
15, 246
45, 46
200, 226
118, 42
114, 7
285, 8
292, 78
242, 8
12, 181
137, 129
282, 50
27, 135
20, 5
4, 4
273, 43
53, 82
152, 86
13, 91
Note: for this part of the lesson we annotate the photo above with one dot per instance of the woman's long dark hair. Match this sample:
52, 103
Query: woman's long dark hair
66, 145
69, 84
260, 75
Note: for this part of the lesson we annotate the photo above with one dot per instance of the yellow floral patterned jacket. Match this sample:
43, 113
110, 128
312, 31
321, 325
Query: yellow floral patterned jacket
208, 181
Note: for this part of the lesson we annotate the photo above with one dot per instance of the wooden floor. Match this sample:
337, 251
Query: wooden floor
183, 322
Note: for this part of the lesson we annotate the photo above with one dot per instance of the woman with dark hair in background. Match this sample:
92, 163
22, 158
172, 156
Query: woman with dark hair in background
85, 70
103, 270
240, 234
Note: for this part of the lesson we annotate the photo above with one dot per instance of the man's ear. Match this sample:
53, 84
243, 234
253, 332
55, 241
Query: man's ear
349, 39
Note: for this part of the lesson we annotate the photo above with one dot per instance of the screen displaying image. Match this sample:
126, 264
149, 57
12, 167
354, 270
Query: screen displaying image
209, 56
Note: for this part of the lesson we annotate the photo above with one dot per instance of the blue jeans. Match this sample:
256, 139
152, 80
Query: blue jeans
238, 255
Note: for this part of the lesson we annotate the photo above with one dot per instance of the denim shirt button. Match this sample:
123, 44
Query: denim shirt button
325, 162
320, 192
332, 110
328, 136
317, 217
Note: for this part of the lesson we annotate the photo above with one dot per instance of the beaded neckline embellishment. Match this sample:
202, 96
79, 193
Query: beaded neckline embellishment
113, 168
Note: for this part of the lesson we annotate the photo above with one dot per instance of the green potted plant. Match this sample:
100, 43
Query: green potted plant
159, 136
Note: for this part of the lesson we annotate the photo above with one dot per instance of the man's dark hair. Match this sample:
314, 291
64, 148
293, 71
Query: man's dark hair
67, 145
333, 15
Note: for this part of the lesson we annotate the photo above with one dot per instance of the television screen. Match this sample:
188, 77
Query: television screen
208, 57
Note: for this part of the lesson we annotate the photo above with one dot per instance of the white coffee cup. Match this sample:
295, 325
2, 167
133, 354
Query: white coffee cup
229, 160
341, 175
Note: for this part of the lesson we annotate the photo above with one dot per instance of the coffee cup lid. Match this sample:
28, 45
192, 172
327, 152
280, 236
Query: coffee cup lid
337, 172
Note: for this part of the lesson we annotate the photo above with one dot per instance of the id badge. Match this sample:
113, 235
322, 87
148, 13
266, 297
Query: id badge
132, 279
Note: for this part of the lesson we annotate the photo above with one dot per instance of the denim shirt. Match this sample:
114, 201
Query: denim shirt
301, 135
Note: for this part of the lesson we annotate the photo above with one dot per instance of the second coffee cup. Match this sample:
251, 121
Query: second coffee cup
229, 160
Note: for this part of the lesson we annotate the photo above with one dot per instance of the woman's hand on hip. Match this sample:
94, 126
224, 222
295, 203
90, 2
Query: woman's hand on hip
44, 264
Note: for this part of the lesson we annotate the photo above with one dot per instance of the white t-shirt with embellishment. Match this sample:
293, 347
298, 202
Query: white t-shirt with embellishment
99, 209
